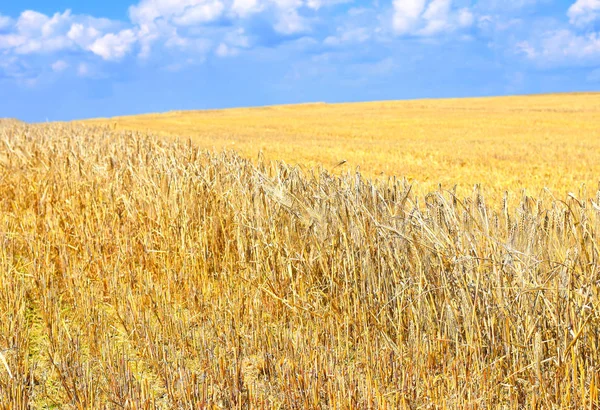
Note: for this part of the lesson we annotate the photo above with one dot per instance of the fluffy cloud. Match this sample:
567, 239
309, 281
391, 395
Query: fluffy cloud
570, 45
317, 4
37, 33
194, 29
180, 12
237, 38
201, 13
583, 12
11, 41
233, 42
162, 21
288, 17
244, 8
34, 24
437, 17
150, 21
563, 46
428, 18
186, 25
407, 14
147, 11
290, 22
83, 36
114, 46
525, 48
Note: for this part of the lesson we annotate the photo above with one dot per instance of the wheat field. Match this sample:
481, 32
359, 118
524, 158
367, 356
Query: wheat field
143, 272
503, 143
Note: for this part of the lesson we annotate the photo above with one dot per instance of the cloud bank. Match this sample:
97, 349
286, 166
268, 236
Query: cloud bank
175, 33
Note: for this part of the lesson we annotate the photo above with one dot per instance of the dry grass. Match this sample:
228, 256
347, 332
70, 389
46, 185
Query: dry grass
503, 143
5, 122
136, 273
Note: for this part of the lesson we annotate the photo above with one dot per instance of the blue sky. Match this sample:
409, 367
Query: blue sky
62, 60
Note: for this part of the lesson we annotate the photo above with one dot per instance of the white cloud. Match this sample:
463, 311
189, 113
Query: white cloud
201, 13
317, 4
436, 17
244, 8
43, 45
149, 10
527, 49
149, 33
8, 41
181, 24
176, 41
39, 33
573, 45
237, 38
465, 18
182, 12
290, 22
406, 15
114, 46
583, 12
34, 32
31, 23
83, 36
428, 18
59, 66
233, 42
34, 24
159, 20
181, 28
562, 46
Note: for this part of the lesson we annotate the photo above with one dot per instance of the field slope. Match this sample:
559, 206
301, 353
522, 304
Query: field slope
503, 143
138, 273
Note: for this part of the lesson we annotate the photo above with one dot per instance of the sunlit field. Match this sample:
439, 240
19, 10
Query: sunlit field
505, 143
141, 269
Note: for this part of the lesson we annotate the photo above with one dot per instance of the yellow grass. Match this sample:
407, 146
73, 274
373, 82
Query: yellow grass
138, 273
503, 143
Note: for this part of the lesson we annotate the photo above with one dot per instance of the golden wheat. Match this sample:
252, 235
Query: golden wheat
139, 273
502, 143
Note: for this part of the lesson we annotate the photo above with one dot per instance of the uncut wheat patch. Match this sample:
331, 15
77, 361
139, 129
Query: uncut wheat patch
140, 273
504, 143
